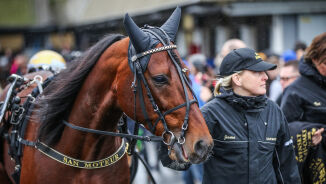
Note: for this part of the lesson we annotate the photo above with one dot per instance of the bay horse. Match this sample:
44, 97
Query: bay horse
91, 95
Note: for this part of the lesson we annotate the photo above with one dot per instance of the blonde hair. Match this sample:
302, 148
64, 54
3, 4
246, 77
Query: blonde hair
225, 82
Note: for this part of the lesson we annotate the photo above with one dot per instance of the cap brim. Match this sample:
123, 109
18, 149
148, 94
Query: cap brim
261, 66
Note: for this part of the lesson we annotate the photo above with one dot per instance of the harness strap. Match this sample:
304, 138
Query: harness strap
26, 142
64, 159
141, 99
173, 109
67, 160
143, 138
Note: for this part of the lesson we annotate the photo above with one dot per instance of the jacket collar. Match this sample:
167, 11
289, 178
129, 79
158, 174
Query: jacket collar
308, 70
243, 103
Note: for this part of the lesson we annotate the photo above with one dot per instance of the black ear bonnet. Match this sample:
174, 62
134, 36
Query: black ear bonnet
143, 39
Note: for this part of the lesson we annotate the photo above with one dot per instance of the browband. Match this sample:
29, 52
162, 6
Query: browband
137, 56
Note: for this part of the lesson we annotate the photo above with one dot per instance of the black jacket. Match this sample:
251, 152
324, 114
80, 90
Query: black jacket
311, 159
305, 98
251, 142
304, 105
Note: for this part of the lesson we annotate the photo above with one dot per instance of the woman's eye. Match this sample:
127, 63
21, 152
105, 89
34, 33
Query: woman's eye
160, 79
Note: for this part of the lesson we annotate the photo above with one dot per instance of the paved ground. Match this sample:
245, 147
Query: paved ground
162, 175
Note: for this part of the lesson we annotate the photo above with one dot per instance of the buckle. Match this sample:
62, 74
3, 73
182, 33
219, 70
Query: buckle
172, 138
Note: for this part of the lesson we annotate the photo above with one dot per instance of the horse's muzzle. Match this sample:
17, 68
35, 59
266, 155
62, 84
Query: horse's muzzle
202, 150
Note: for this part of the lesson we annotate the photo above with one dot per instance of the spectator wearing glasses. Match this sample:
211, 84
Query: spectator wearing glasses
288, 74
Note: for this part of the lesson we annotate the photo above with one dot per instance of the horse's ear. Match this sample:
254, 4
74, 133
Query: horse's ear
139, 39
172, 24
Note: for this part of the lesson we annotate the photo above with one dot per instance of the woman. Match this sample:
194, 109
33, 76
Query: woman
304, 105
251, 138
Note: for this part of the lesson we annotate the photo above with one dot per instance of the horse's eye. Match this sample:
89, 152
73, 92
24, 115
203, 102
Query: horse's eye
160, 79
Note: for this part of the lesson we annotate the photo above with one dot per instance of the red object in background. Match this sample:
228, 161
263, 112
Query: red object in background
14, 67
193, 48
214, 82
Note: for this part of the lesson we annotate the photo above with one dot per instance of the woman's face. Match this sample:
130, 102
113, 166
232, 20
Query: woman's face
320, 65
251, 83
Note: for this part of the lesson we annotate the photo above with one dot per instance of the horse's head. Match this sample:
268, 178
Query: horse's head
165, 102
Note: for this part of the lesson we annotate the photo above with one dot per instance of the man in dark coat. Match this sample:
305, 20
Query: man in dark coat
305, 98
305, 101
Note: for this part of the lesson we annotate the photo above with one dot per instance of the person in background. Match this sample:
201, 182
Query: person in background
299, 49
46, 60
305, 101
199, 78
227, 47
288, 74
251, 139
197, 64
288, 55
19, 65
5, 64
274, 88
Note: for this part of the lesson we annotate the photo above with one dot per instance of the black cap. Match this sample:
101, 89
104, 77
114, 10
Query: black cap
243, 59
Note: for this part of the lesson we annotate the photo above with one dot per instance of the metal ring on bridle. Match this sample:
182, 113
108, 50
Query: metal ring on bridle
31, 97
181, 140
38, 78
185, 126
155, 108
171, 139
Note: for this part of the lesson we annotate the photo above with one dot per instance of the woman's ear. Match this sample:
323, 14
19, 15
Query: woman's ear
236, 78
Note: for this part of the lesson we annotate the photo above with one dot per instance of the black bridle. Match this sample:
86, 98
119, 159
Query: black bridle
139, 77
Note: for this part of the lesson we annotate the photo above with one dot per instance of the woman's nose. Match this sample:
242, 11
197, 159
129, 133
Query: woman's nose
264, 76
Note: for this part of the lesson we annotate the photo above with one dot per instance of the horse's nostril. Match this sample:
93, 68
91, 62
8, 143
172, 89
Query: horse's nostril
201, 148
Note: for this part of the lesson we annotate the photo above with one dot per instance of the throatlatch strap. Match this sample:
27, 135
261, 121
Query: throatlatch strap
64, 159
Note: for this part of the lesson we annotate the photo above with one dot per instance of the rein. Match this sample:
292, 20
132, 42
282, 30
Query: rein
142, 138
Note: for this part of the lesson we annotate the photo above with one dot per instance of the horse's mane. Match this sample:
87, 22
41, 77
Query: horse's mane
60, 94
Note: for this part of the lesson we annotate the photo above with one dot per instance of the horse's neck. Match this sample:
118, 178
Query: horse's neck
95, 108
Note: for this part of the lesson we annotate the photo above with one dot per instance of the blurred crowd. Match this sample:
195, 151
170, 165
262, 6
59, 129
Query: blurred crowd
22, 62
203, 72
203, 75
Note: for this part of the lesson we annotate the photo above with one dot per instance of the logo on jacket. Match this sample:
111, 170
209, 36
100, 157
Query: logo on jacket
229, 137
270, 138
317, 104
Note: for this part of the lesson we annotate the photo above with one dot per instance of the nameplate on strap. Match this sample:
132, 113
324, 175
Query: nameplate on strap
64, 159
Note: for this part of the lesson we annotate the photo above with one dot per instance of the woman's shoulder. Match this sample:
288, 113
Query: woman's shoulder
214, 103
